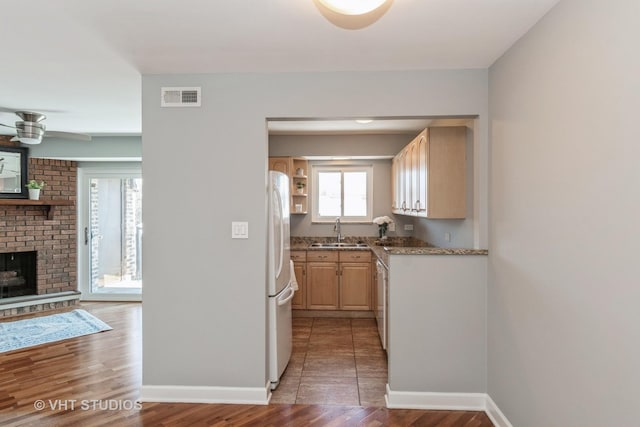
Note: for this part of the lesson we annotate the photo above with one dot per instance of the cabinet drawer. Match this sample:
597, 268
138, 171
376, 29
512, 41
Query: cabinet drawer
329, 256
355, 256
299, 256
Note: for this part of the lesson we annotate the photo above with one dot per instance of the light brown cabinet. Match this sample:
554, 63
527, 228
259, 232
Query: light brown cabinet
323, 286
296, 169
338, 280
281, 164
429, 175
299, 259
299, 187
355, 286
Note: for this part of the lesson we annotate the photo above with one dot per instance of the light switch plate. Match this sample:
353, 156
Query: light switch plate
239, 230
408, 227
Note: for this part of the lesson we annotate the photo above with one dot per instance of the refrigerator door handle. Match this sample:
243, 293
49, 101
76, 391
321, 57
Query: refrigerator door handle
278, 200
287, 298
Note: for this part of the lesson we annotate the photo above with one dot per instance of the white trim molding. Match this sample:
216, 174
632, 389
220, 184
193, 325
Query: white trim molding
447, 401
204, 394
495, 414
428, 400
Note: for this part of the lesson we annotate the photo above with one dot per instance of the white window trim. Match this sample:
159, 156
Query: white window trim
315, 169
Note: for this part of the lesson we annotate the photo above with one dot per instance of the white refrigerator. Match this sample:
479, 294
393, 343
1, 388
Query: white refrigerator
279, 288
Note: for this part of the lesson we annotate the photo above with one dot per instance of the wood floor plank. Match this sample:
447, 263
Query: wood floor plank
106, 367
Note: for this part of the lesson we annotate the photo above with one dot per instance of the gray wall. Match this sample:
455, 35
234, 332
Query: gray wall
437, 322
347, 145
100, 148
338, 145
564, 319
205, 308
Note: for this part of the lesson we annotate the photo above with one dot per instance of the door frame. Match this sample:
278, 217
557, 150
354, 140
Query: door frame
85, 173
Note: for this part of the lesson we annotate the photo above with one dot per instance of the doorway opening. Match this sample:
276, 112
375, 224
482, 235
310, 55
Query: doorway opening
111, 252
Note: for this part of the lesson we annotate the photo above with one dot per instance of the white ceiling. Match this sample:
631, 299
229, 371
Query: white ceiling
81, 61
378, 125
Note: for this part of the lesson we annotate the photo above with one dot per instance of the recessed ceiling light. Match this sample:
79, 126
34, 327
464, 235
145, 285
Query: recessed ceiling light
364, 121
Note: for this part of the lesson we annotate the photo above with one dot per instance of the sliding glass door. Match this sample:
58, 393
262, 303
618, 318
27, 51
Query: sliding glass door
111, 239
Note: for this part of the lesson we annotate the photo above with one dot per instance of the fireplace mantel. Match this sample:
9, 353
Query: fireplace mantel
50, 205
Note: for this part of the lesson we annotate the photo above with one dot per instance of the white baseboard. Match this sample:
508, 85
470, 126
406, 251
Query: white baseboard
195, 394
495, 414
447, 401
426, 400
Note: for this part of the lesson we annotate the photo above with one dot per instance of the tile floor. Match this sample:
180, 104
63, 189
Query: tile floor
334, 362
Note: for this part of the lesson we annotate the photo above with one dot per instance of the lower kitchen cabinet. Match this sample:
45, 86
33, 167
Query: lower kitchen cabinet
355, 286
322, 292
299, 259
338, 280
299, 300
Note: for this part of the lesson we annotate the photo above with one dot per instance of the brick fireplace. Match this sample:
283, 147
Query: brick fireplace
25, 228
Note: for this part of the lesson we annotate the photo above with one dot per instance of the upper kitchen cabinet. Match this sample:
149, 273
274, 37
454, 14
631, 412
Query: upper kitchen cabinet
281, 164
296, 169
429, 175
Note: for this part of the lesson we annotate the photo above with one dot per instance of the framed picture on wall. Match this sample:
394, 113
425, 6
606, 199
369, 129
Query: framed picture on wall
13, 172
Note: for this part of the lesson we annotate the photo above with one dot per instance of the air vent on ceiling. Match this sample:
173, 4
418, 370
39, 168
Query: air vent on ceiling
180, 97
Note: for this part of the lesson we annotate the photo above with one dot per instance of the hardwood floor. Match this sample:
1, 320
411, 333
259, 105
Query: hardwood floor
95, 379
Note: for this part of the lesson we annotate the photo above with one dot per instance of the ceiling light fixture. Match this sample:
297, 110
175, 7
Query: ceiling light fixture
30, 131
353, 14
364, 121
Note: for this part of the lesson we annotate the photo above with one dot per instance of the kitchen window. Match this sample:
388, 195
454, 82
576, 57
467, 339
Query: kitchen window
342, 191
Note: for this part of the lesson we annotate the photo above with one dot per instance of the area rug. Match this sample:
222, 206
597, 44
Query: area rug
44, 329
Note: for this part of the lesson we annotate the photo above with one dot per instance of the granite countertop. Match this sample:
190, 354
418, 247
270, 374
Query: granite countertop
384, 248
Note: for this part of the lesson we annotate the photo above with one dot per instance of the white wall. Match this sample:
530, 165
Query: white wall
204, 302
564, 318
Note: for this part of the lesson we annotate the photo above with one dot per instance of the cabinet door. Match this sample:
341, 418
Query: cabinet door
355, 286
394, 184
400, 182
299, 300
415, 175
407, 199
421, 154
281, 164
322, 285
446, 172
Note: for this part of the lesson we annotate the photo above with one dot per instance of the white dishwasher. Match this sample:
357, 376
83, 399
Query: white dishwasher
382, 305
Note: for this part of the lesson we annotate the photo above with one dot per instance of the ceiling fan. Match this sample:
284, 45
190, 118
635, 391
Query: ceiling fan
30, 130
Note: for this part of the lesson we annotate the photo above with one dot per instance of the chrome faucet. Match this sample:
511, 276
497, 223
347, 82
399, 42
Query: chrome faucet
338, 230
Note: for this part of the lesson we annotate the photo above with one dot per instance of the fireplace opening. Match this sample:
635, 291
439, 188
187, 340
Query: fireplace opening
18, 274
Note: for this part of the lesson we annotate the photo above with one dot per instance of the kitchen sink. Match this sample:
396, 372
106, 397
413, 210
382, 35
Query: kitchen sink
338, 245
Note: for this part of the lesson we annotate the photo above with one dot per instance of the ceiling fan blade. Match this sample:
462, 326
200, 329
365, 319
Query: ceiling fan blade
13, 110
68, 135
